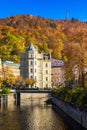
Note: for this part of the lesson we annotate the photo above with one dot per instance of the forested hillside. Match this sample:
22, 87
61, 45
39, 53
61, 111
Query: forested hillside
17, 32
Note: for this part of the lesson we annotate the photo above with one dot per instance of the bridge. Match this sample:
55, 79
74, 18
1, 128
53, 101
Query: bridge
29, 90
19, 91
17, 94
33, 91
36, 91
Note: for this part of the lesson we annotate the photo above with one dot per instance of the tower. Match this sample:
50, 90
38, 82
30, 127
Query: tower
31, 62
37, 66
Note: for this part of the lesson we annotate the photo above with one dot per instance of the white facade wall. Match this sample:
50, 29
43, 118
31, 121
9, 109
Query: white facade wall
46, 73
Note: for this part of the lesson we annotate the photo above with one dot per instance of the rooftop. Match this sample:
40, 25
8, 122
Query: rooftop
10, 63
57, 63
31, 47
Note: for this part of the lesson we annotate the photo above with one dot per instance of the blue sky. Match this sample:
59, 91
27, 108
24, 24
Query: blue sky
54, 9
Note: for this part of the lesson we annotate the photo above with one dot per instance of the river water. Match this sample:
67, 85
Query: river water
31, 115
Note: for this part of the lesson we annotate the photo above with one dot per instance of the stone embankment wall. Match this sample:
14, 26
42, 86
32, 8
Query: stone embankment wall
74, 112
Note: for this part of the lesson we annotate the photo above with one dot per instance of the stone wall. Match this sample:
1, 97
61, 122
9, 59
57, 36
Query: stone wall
74, 112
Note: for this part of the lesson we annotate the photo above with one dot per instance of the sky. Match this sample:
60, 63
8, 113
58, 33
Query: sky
54, 9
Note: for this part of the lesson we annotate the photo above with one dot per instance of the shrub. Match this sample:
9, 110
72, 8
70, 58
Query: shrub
76, 95
5, 91
61, 92
82, 100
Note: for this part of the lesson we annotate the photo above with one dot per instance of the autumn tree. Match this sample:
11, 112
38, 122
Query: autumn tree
19, 81
8, 77
12, 46
17, 32
27, 82
5, 54
15, 44
76, 54
30, 82
43, 47
10, 80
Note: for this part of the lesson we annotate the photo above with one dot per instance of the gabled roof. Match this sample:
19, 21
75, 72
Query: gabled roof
31, 47
57, 63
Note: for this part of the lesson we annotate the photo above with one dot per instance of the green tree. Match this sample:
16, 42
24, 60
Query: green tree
4, 52
15, 45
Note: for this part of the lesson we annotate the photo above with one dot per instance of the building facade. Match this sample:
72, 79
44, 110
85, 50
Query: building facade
57, 72
37, 66
12, 67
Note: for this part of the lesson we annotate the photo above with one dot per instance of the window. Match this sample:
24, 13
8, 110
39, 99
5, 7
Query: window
46, 65
35, 77
31, 70
31, 77
46, 71
31, 62
46, 78
46, 85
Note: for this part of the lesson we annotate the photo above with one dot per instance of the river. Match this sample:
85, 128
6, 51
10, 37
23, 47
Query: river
31, 115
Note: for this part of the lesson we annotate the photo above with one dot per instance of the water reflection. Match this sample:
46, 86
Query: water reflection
31, 115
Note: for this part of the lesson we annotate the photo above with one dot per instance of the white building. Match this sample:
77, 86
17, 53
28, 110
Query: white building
36, 65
